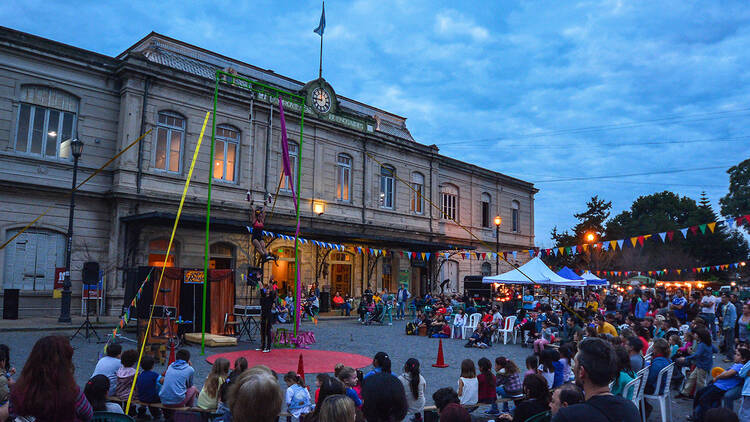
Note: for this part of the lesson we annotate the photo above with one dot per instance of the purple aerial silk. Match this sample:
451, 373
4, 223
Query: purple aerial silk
288, 172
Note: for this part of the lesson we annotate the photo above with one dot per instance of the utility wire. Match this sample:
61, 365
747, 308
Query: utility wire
613, 176
614, 126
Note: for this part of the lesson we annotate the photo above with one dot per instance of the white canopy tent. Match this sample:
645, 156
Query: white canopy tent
593, 280
537, 271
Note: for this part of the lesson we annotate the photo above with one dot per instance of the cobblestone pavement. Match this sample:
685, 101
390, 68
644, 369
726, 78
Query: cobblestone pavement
341, 335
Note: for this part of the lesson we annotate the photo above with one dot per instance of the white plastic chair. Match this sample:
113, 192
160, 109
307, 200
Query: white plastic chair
630, 392
507, 329
665, 402
638, 399
471, 325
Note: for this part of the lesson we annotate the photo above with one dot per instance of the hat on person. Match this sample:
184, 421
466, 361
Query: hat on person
660, 317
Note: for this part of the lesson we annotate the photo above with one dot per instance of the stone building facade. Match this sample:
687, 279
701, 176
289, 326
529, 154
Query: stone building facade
360, 166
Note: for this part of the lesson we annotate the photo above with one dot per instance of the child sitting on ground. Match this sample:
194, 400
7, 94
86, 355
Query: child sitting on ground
297, 399
148, 385
487, 385
96, 390
532, 362
126, 374
468, 385
208, 399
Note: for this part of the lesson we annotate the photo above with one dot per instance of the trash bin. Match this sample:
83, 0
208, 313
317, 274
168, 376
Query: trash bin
10, 304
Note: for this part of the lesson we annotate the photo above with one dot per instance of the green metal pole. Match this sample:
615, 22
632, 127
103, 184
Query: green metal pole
208, 217
299, 205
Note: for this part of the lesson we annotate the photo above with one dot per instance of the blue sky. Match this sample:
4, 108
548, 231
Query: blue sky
542, 91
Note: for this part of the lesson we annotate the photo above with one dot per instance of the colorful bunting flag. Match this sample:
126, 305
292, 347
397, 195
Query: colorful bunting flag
633, 240
711, 226
663, 236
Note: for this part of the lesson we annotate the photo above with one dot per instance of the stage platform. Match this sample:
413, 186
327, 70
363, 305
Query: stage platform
285, 360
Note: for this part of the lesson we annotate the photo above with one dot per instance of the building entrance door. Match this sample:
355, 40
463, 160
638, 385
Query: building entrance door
341, 273
341, 276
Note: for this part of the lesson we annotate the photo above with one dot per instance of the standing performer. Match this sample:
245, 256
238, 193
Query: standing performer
257, 235
267, 302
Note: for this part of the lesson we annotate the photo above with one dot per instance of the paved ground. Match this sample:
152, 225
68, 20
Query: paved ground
343, 335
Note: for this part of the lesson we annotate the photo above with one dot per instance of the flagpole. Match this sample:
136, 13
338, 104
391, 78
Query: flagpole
320, 69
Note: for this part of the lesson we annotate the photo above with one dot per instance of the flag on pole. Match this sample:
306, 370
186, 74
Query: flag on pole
322, 25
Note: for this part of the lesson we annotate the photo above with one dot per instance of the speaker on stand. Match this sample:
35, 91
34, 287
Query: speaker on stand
90, 276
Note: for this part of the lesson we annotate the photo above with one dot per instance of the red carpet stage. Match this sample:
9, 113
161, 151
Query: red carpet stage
285, 360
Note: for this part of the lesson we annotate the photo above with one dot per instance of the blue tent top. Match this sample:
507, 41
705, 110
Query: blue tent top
592, 280
566, 272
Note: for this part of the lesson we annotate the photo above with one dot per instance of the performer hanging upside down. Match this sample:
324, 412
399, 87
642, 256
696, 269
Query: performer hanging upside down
257, 236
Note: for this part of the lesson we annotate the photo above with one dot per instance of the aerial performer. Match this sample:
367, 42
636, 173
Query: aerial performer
257, 234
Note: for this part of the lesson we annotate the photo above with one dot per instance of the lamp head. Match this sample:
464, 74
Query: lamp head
498, 220
76, 147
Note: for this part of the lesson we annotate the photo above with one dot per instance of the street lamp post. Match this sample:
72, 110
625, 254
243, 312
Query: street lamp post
497, 221
76, 148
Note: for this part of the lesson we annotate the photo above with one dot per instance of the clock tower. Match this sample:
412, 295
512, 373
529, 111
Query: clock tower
320, 97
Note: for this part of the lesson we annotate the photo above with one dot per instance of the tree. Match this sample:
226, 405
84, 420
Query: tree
736, 203
592, 220
667, 211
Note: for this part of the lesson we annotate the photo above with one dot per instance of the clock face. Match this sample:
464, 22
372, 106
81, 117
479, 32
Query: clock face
321, 100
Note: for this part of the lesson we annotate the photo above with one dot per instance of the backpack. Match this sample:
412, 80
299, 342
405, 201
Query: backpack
411, 329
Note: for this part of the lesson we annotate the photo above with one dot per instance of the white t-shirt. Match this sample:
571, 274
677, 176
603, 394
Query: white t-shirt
708, 304
114, 408
470, 393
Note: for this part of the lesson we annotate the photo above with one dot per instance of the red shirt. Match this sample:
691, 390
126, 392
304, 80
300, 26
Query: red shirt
487, 385
645, 345
487, 318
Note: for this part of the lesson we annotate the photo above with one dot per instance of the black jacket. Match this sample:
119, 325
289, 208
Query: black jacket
267, 300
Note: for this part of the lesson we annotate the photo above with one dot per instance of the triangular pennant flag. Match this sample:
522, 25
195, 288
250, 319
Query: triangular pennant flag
555, 251
531, 253
613, 245
663, 236
515, 255
585, 247
694, 229
568, 250
605, 246
679, 271
640, 240
729, 222
711, 226
747, 217
620, 243
684, 232
633, 240
422, 255
428, 256
703, 228
670, 235
573, 249
562, 250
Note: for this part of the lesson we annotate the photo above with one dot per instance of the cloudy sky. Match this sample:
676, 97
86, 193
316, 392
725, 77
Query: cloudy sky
609, 98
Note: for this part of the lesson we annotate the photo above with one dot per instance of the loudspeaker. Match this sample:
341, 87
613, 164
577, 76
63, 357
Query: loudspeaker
90, 272
10, 304
325, 302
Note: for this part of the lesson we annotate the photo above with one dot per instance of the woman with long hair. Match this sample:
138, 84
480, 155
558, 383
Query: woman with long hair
537, 399
46, 389
384, 399
208, 398
381, 363
414, 385
337, 408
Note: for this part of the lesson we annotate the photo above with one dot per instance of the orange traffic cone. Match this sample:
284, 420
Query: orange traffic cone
440, 360
301, 368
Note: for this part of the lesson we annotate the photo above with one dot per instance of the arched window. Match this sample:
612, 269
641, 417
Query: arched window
486, 204
46, 119
515, 208
343, 177
449, 197
170, 134
486, 268
417, 196
226, 152
387, 187
157, 253
293, 156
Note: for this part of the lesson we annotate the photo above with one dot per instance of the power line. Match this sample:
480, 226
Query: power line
614, 126
612, 176
613, 144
